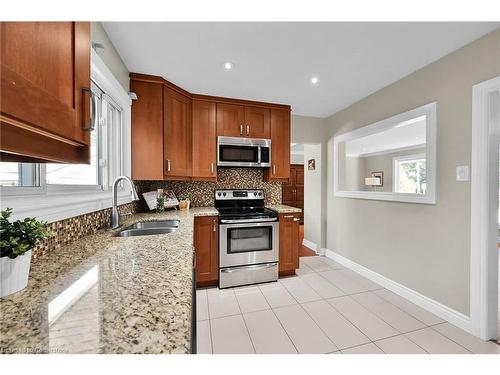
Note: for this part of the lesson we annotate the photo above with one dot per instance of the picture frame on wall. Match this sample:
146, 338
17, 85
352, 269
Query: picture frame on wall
311, 164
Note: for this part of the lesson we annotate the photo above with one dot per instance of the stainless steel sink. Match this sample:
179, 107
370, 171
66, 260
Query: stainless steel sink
147, 228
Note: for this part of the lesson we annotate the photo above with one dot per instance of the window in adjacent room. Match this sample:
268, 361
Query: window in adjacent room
410, 174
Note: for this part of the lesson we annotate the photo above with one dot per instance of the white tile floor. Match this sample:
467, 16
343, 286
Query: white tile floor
326, 309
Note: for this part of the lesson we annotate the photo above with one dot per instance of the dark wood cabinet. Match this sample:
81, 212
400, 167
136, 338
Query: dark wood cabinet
292, 191
257, 122
280, 144
289, 243
230, 120
204, 153
44, 91
147, 131
176, 134
235, 120
206, 242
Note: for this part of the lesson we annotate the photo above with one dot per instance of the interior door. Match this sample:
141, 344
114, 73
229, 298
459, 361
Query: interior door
230, 120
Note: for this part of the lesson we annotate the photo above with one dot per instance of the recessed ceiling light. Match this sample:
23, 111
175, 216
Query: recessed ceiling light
228, 65
314, 80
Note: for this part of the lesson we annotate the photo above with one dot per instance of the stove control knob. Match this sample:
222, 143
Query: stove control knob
260, 193
218, 194
255, 193
224, 194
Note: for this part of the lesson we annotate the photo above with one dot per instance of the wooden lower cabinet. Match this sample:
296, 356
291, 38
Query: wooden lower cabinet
206, 245
289, 243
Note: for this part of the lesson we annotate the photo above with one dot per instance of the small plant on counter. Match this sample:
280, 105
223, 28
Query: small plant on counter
184, 201
20, 236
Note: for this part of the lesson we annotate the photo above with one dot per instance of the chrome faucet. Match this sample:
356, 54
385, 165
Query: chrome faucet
115, 216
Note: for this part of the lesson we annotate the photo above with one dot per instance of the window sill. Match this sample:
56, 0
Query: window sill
60, 206
388, 196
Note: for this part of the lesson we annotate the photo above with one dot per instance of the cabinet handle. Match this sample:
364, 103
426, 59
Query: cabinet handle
91, 126
241, 129
248, 130
288, 216
212, 168
215, 226
296, 219
167, 165
274, 169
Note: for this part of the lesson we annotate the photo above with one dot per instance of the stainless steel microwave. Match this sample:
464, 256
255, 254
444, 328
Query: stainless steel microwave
243, 152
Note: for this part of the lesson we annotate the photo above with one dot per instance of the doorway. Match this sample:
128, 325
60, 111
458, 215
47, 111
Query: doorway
485, 282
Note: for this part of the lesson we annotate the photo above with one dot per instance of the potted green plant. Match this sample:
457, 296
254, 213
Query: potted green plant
184, 202
17, 239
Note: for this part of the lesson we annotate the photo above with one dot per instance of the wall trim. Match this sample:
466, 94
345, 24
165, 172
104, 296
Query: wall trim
310, 245
484, 206
444, 312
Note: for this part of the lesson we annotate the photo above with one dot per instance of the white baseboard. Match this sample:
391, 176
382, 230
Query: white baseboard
444, 312
309, 244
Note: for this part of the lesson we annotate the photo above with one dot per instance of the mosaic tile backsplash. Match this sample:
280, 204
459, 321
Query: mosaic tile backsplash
201, 193
69, 230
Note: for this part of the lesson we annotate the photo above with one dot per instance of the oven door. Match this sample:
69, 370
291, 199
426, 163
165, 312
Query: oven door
242, 244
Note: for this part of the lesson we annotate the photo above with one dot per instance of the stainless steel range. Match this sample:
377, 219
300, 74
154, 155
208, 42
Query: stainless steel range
248, 238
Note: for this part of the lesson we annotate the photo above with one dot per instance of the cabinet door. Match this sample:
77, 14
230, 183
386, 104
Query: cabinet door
230, 120
147, 131
176, 134
206, 237
204, 140
45, 67
289, 244
257, 122
280, 146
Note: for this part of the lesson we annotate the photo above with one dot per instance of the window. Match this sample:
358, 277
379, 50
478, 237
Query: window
410, 174
105, 158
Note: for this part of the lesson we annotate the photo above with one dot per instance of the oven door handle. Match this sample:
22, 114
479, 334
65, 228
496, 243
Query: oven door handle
237, 221
246, 268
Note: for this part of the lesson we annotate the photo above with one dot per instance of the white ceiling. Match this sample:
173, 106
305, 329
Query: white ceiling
395, 138
274, 61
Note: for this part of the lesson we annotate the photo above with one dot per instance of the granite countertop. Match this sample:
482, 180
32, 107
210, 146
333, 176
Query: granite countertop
284, 209
106, 294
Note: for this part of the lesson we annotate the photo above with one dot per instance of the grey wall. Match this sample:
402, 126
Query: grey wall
424, 247
109, 55
312, 130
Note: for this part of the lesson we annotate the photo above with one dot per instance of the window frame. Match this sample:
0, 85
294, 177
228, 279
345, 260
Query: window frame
396, 160
430, 197
57, 202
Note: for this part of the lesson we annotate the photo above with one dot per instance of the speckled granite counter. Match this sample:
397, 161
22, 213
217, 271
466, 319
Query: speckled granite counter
284, 209
106, 294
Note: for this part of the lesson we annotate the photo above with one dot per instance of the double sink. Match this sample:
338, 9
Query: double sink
147, 228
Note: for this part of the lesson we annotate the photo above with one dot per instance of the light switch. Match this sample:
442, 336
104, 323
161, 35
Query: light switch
463, 173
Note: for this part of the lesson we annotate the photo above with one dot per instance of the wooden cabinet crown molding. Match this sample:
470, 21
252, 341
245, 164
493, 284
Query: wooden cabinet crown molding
217, 99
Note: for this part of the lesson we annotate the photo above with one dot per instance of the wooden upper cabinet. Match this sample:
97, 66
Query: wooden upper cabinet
204, 130
206, 236
289, 243
280, 146
230, 120
257, 122
44, 70
147, 131
176, 134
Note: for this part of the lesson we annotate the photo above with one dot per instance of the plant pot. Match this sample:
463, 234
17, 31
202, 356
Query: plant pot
14, 273
184, 204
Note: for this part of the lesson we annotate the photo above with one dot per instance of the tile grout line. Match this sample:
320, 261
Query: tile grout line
245, 323
279, 321
209, 322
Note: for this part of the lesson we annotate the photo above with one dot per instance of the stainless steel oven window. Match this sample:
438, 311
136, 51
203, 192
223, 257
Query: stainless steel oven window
240, 240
